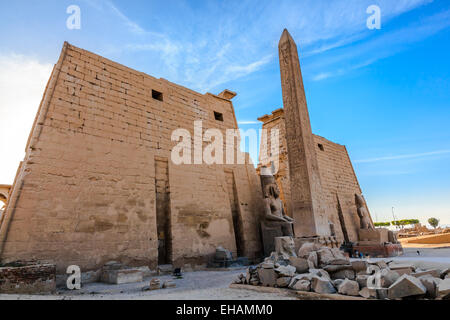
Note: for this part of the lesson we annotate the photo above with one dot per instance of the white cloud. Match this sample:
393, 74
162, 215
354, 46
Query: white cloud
22, 83
405, 156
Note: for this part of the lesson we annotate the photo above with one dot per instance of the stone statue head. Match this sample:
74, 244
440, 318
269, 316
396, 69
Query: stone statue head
285, 247
272, 191
359, 200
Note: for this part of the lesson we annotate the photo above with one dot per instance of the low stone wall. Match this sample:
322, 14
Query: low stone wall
31, 279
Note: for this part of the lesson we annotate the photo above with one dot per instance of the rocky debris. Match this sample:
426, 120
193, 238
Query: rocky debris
382, 293
327, 271
443, 289
368, 293
155, 284
322, 285
343, 274
348, 287
359, 266
402, 269
313, 260
283, 282
300, 264
267, 277
388, 277
362, 280
432, 272
286, 271
431, 284
169, 284
406, 286
302, 285
307, 248
445, 273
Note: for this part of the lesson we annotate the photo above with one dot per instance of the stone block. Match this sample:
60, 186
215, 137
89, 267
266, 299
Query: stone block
443, 289
322, 285
362, 280
359, 265
121, 276
376, 236
368, 293
343, 274
286, 271
431, 284
382, 293
302, 285
388, 277
406, 286
402, 269
267, 277
349, 288
432, 272
283, 282
300, 264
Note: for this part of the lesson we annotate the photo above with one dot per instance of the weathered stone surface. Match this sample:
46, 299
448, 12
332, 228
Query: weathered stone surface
300, 264
267, 277
388, 277
359, 265
320, 273
368, 293
444, 273
443, 289
339, 257
325, 256
337, 282
431, 284
362, 280
302, 285
334, 268
322, 285
283, 282
122, 276
286, 271
402, 269
313, 260
31, 279
432, 272
349, 288
343, 274
306, 249
382, 293
304, 176
406, 286
304, 276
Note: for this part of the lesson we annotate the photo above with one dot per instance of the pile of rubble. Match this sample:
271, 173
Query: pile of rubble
328, 271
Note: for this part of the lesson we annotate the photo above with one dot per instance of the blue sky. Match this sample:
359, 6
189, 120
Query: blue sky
384, 93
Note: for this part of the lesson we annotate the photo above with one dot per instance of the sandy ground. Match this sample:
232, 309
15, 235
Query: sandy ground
201, 285
214, 285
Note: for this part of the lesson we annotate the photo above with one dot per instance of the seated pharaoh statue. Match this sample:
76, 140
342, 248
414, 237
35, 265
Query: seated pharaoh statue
363, 214
274, 222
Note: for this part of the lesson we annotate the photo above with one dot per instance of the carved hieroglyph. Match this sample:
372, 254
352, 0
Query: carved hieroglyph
303, 167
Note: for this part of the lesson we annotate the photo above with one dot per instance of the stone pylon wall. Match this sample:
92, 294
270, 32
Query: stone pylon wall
85, 193
337, 177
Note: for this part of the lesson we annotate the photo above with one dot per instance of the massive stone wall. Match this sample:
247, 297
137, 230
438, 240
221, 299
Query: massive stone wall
86, 192
338, 178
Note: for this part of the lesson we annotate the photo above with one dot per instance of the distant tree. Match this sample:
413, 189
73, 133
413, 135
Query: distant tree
433, 222
382, 224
